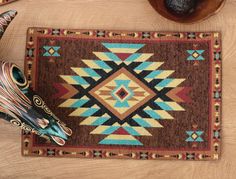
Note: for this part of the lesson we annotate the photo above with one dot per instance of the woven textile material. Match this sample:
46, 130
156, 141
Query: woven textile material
134, 95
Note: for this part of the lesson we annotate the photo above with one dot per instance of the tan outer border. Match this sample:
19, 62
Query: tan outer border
216, 109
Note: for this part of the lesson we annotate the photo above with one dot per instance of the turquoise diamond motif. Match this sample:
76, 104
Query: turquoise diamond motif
122, 93
51, 51
196, 55
194, 136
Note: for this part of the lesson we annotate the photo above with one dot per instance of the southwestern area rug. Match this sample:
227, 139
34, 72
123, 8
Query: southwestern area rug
131, 95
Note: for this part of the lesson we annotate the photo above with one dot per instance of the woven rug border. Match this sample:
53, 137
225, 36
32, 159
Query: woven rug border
28, 149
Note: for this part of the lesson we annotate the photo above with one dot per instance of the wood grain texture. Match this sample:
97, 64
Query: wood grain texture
116, 15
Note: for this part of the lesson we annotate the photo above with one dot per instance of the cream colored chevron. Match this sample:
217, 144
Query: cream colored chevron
152, 122
175, 106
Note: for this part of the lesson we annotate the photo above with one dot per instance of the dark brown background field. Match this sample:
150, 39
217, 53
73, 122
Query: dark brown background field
174, 54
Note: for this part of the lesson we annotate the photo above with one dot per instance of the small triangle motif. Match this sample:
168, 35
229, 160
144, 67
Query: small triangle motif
121, 131
123, 56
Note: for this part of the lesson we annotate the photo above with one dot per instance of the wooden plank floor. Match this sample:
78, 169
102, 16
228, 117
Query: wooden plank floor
116, 15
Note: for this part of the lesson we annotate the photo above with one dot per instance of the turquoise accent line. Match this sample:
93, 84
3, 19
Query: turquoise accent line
191, 58
25, 91
216, 134
131, 131
110, 130
102, 64
123, 83
199, 132
56, 54
46, 54
79, 103
217, 56
190, 52
30, 52
112, 56
120, 142
153, 114
200, 58
89, 112
142, 122
153, 74
190, 139
91, 72
123, 45
164, 82
143, 66
200, 51
54, 130
133, 57
99, 121
217, 95
80, 80
199, 139
164, 106
47, 47
120, 104
189, 132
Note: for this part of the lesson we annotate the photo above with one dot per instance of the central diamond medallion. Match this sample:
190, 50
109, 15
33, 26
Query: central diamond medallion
122, 93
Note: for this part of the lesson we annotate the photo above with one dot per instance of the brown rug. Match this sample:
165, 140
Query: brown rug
133, 95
